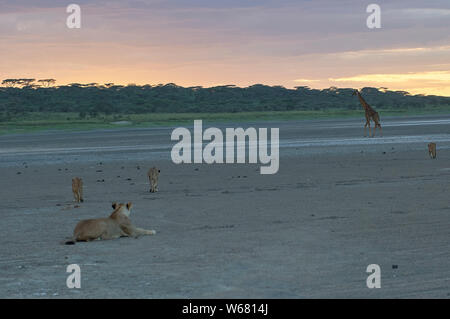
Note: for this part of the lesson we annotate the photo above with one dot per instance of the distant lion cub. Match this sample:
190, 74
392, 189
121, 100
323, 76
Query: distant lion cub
77, 189
432, 150
118, 224
153, 175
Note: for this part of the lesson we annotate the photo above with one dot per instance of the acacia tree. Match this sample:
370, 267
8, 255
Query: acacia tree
47, 82
19, 82
10, 82
26, 82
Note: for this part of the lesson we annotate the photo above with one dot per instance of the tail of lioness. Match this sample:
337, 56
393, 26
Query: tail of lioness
69, 241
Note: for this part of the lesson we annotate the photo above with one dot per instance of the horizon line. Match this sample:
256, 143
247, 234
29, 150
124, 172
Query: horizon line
112, 84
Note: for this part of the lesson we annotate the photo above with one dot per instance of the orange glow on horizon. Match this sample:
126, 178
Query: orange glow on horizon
208, 46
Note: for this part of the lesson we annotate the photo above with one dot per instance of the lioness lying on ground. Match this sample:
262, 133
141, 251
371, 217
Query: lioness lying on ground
118, 224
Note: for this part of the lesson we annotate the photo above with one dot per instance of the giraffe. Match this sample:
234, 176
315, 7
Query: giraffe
370, 114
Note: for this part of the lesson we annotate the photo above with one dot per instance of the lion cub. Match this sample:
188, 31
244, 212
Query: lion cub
118, 224
432, 150
77, 189
153, 175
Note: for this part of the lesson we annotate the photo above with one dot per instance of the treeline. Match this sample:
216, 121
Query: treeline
93, 99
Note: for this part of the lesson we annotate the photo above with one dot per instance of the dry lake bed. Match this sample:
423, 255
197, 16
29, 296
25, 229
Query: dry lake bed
338, 203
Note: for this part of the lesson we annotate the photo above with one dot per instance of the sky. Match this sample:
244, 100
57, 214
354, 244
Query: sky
315, 43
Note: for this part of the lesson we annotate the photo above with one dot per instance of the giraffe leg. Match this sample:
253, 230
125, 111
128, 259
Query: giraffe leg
374, 128
379, 128
365, 129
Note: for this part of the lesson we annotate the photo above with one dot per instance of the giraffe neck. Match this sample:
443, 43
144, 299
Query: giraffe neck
364, 103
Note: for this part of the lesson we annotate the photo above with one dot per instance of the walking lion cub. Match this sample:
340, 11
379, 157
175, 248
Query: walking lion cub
153, 175
118, 224
432, 150
77, 189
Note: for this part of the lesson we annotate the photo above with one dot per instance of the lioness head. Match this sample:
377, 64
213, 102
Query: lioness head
122, 208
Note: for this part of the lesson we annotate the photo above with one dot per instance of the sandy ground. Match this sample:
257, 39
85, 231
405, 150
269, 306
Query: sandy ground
338, 203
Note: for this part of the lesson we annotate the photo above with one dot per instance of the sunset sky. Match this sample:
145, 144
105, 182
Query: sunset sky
317, 43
